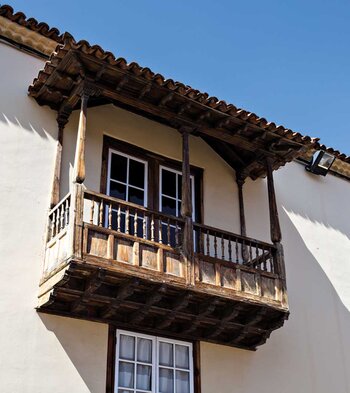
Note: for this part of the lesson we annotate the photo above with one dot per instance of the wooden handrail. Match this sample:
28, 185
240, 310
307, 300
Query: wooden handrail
232, 235
92, 195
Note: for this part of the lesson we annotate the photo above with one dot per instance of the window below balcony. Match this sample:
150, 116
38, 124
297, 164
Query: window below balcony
150, 364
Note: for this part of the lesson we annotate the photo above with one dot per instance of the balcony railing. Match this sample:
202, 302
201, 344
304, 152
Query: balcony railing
107, 229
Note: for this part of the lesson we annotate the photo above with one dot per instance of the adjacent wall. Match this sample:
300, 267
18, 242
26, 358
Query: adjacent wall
45, 353
38, 353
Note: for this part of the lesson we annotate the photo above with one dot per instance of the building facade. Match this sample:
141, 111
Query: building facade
155, 239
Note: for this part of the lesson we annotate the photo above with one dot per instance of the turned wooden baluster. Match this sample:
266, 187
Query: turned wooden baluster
250, 252
127, 218
168, 232
229, 250
118, 218
176, 234
215, 246
152, 228
222, 247
135, 224
208, 243
237, 260
257, 256
144, 227
62, 217
53, 222
67, 212
92, 211
100, 216
57, 231
200, 242
110, 216
160, 228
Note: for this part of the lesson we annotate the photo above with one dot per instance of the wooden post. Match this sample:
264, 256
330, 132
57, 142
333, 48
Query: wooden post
79, 161
275, 229
240, 182
55, 190
186, 209
276, 235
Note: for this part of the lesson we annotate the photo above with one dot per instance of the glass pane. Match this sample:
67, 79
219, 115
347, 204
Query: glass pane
144, 350
179, 186
144, 377
169, 231
118, 167
166, 380
124, 391
136, 173
182, 382
181, 356
166, 354
168, 183
168, 206
136, 196
179, 209
127, 347
126, 375
117, 190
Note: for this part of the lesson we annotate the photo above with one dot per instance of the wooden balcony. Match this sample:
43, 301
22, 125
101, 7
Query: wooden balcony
115, 262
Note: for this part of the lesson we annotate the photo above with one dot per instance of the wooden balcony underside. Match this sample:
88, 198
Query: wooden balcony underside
93, 290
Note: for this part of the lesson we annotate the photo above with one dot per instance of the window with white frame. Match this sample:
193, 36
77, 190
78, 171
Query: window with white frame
126, 180
149, 364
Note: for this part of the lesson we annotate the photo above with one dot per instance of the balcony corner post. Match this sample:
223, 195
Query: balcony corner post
62, 120
275, 230
186, 210
79, 161
240, 180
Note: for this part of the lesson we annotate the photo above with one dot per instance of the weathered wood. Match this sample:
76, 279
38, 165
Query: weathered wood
55, 191
275, 229
79, 161
186, 209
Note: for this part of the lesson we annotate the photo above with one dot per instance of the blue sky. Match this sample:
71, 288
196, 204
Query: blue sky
288, 61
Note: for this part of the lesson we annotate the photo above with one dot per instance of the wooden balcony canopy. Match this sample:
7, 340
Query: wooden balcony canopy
241, 138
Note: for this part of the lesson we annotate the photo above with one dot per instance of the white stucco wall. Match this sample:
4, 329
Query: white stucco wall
38, 353
45, 353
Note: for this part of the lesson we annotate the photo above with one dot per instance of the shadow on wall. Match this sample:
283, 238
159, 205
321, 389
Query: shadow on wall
85, 344
309, 354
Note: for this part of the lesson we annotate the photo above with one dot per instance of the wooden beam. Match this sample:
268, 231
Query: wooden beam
240, 182
275, 229
178, 305
124, 291
186, 209
55, 190
79, 162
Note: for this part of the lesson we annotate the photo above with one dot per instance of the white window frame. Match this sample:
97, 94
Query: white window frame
127, 184
170, 197
156, 340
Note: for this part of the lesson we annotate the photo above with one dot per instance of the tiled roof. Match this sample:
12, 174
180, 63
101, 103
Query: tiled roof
67, 39
20, 18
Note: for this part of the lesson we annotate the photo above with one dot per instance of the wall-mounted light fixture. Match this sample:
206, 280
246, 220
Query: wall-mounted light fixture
320, 163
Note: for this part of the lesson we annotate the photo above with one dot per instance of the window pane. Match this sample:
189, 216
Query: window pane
136, 173
126, 375
168, 206
166, 354
118, 167
168, 183
181, 356
144, 377
179, 186
182, 382
124, 391
136, 196
166, 380
144, 350
117, 190
127, 347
